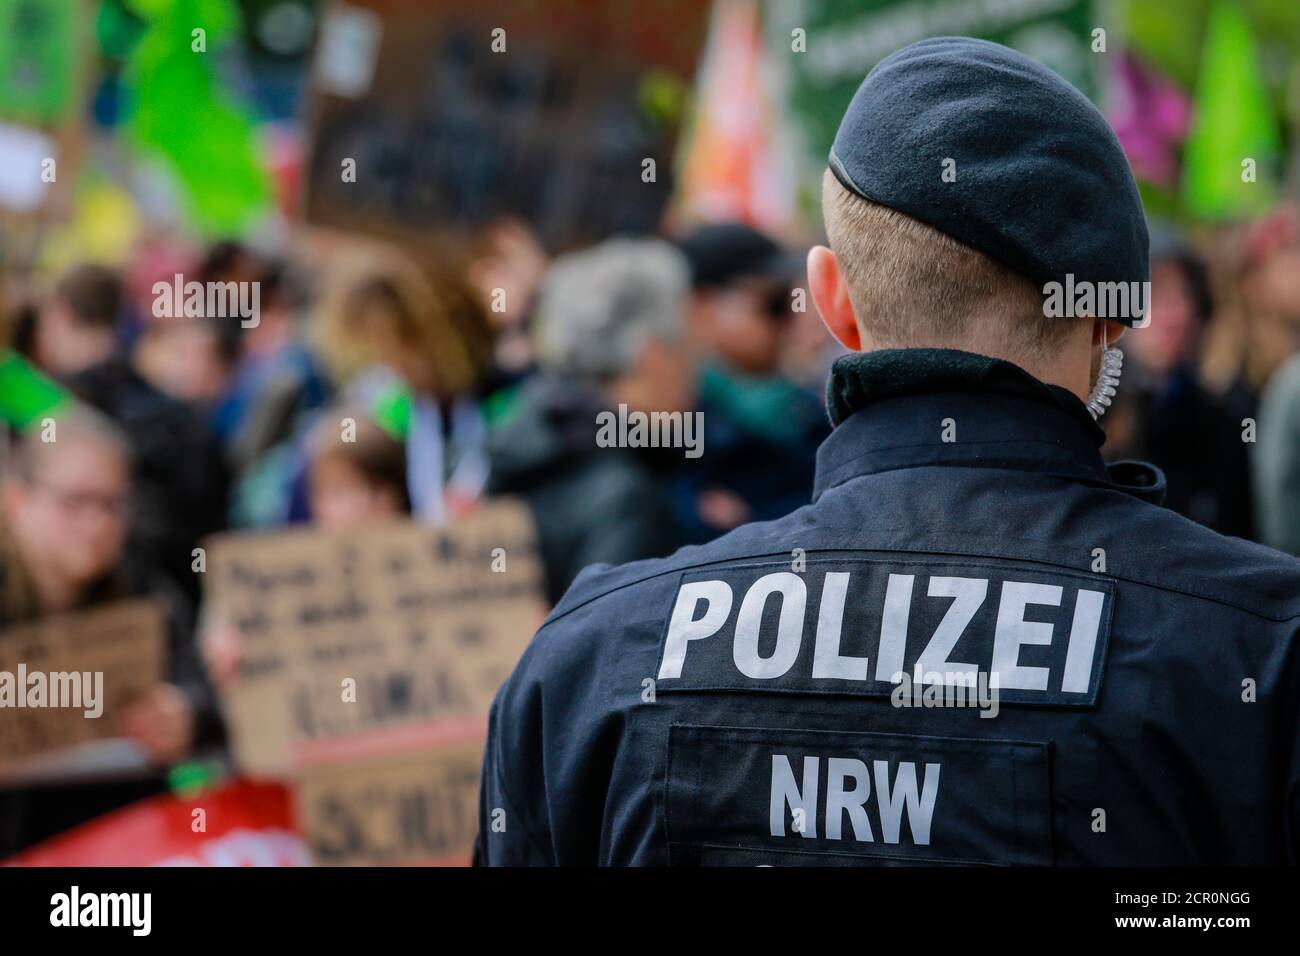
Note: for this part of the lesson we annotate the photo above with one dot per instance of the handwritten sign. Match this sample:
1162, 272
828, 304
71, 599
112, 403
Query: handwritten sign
441, 116
411, 809
368, 663
54, 670
370, 635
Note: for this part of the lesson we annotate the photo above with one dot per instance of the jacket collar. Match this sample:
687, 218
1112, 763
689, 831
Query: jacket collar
908, 408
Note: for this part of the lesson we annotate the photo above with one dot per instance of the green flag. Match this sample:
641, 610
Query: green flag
25, 394
178, 111
1234, 142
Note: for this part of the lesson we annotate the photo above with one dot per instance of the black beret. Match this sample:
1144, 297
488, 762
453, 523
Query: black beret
1041, 182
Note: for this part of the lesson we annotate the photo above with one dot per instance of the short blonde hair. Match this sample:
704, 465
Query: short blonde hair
913, 286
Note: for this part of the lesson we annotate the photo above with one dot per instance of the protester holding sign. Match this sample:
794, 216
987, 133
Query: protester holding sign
364, 660
356, 476
62, 541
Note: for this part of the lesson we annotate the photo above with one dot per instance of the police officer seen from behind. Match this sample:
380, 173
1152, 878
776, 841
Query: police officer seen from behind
977, 643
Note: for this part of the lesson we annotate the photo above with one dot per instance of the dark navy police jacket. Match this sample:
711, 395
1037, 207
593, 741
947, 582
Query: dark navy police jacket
977, 645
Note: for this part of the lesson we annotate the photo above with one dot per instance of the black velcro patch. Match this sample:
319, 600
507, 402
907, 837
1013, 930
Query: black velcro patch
856, 626
749, 796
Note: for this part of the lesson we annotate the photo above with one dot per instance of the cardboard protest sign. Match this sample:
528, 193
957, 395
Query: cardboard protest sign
439, 116
404, 809
368, 663
348, 636
64, 679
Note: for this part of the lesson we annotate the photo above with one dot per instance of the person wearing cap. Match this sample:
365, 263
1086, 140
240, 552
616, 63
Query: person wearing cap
978, 643
761, 429
609, 327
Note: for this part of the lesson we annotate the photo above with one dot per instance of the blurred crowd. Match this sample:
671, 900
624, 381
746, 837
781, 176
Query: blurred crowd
379, 381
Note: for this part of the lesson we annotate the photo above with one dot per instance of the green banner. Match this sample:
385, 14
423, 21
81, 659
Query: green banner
179, 108
845, 38
38, 61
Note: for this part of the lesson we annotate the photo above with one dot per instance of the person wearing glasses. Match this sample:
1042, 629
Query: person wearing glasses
63, 539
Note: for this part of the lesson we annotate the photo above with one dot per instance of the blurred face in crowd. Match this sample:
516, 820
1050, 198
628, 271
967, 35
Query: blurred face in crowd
506, 277
63, 345
1275, 284
69, 515
343, 497
182, 357
509, 271
662, 380
1172, 336
744, 324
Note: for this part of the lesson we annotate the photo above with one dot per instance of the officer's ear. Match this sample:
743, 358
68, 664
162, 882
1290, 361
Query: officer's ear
1114, 331
830, 293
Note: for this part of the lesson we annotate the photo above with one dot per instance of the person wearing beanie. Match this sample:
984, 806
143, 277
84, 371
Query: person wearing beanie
978, 643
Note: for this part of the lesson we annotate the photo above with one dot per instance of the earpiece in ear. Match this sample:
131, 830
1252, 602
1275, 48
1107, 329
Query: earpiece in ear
1112, 364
